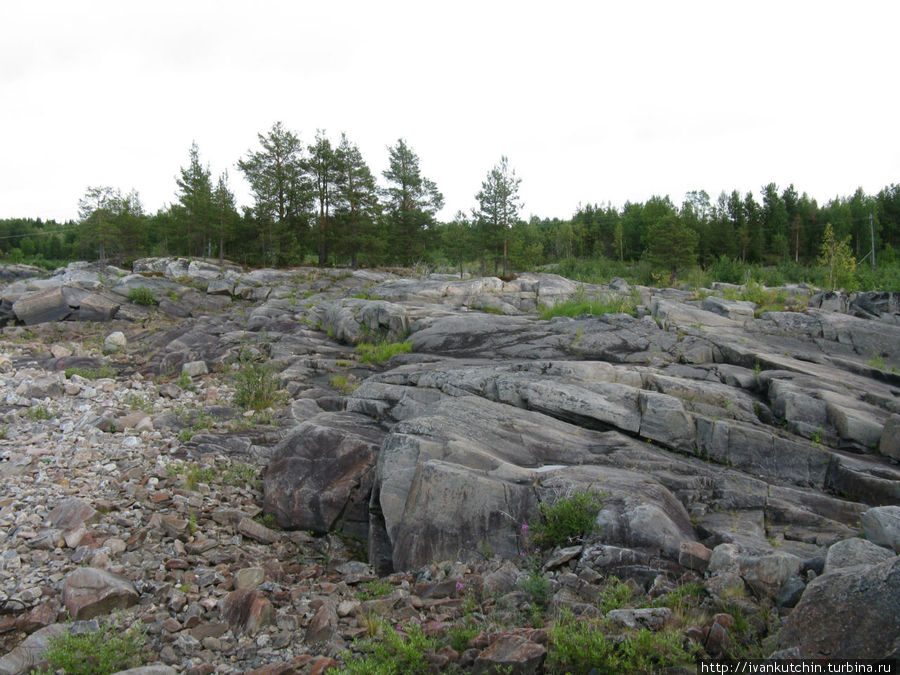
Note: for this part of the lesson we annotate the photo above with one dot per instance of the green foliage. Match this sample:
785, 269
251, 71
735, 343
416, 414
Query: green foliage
184, 382
106, 650
193, 474
379, 353
578, 307
39, 413
615, 595
392, 654
536, 584
459, 635
138, 402
256, 386
579, 647
567, 520
836, 259
377, 588
241, 475
141, 295
103, 372
342, 383
727, 270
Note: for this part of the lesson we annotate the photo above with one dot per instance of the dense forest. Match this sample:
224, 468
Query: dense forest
320, 203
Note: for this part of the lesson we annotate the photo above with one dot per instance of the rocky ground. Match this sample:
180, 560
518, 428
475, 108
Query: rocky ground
747, 464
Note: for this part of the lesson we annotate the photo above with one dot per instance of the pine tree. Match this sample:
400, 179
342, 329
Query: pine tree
281, 191
356, 205
194, 211
412, 202
498, 210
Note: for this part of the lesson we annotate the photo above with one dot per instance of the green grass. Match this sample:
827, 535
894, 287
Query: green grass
578, 307
241, 475
39, 413
377, 588
106, 650
102, 372
342, 383
141, 295
367, 352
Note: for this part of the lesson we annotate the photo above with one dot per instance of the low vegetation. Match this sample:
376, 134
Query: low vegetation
141, 295
567, 520
367, 352
257, 386
99, 652
102, 372
578, 307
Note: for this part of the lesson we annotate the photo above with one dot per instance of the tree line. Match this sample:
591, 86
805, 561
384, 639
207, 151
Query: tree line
321, 203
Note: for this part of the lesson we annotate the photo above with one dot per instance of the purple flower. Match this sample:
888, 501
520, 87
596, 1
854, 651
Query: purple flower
524, 527
460, 587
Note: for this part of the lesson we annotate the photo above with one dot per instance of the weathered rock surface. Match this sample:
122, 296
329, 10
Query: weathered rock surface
741, 451
850, 613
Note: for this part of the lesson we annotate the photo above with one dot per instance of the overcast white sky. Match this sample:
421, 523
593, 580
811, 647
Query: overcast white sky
591, 101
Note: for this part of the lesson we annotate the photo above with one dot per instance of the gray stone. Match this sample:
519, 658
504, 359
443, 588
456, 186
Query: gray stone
323, 471
114, 342
766, 574
98, 307
194, 368
653, 618
41, 307
848, 614
855, 551
881, 526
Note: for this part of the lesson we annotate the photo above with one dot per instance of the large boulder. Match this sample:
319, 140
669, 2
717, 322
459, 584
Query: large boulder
470, 472
356, 320
47, 305
848, 614
323, 472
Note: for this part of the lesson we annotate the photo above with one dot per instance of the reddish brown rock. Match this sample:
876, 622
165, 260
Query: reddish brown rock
511, 653
323, 624
246, 611
90, 592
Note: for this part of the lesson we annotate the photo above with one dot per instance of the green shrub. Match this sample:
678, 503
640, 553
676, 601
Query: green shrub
106, 650
392, 653
381, 352
256, 386
141, 295
727, 270
579, 647
567, 520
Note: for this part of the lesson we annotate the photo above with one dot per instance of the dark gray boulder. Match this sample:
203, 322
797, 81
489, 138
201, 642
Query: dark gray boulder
322, 473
